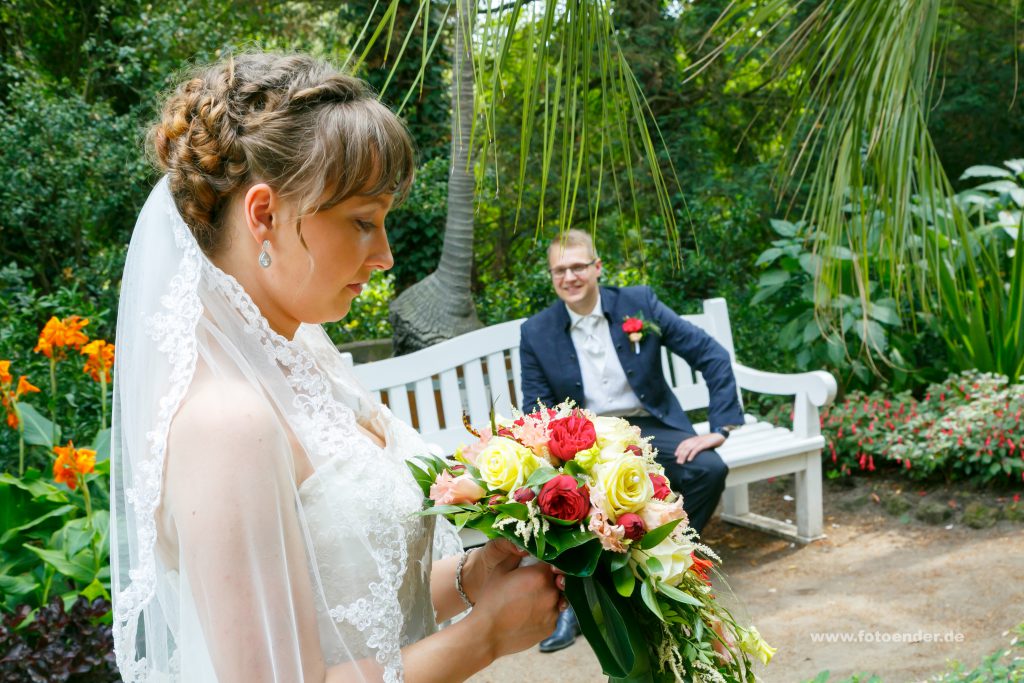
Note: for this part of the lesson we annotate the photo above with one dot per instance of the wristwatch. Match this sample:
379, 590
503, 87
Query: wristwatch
726, 430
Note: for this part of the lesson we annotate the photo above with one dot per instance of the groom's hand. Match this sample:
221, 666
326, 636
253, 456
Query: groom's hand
688, 449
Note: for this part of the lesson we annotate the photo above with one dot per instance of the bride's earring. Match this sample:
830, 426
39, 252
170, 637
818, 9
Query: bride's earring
264, 255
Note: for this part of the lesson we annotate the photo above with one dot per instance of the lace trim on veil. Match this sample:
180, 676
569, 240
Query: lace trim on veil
328, 425
173, 333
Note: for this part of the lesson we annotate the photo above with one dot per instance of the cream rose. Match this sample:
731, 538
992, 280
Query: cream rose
625, 485
505, 465
658, 513
674, 554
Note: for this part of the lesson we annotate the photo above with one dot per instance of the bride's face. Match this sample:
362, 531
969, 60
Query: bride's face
316, 272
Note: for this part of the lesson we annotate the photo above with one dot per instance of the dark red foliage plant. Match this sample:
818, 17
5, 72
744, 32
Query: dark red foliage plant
58, 645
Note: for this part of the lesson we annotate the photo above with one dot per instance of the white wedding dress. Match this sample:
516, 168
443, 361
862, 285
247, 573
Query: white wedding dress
227, 567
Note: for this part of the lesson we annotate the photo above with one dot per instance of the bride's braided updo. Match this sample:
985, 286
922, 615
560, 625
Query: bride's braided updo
315, 135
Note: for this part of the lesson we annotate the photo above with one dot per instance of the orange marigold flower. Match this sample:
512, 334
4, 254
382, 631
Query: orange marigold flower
25, 387
5, 372
58, 334
100, 359
72, 462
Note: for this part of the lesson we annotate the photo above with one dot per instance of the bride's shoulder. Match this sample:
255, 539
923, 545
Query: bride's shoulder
231, 423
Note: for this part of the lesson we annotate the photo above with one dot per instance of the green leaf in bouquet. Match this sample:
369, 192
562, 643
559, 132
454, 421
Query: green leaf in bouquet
647, 592
659, 534
574, 468
698, 630
617, 560
517, 510
610, 626
424, 478
443, 510
541, 541
654, 565
561, 540
581, 560
625, 582
673, 593
541, 476
561, 522
461, 519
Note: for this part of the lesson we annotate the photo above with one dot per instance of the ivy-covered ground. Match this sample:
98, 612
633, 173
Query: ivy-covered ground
891, 564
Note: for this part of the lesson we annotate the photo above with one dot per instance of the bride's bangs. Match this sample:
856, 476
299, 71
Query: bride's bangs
367, 150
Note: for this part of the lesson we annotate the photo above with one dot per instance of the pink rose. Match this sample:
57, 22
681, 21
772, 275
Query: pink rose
570, 435
449, 490
658, 513
632, 526
661, 487
470, 452
564, 498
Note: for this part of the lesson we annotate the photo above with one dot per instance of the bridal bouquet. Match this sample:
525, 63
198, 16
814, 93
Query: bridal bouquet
585, 494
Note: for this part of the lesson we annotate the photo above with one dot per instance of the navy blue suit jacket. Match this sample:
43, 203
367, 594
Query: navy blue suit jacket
551, 371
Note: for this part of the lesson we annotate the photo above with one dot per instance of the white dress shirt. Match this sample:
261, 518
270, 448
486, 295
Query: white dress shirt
605, 388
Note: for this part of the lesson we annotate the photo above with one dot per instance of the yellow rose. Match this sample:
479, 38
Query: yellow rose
625, 485
615, 430
505, 465
752, 643
675, 556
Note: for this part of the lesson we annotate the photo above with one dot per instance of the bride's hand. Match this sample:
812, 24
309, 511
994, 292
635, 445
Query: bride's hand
516, 607
499, 554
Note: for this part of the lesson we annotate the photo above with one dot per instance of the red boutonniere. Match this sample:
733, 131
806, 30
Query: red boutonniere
636, 326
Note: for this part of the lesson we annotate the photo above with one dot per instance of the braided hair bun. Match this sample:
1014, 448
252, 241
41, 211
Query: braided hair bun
315, 135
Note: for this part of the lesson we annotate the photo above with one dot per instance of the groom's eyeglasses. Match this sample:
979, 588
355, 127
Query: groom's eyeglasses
576, 268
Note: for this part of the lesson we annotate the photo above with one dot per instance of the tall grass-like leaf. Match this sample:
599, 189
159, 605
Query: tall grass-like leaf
858, 138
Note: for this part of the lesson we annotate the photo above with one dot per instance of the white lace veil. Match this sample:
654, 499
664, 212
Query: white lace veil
222, 568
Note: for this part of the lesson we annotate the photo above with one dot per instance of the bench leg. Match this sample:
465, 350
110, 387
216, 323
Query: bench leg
809, 522
735, 502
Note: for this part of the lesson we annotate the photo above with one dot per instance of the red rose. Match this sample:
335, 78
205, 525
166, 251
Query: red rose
634, 449
634, 526
564, 498
570, 435
661, 487
631, 325
523, 495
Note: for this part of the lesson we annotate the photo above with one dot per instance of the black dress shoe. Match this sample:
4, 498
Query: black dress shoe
565, 633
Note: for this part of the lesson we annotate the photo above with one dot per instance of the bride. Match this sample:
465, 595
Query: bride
265, 525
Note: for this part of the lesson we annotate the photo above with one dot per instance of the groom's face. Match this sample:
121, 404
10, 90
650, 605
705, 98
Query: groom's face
574, 274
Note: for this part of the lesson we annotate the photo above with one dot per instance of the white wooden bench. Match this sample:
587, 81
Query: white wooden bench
432, 389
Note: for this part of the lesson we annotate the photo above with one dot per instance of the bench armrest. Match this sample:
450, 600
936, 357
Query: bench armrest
819, 386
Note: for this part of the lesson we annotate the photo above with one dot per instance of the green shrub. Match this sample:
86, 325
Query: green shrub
368, 318
967, 428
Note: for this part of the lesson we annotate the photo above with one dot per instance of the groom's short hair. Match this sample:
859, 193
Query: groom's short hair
573, 238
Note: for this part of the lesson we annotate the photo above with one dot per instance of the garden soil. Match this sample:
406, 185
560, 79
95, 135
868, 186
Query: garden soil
880, 574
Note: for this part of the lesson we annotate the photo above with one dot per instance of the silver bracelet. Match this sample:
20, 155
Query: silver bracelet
458, 579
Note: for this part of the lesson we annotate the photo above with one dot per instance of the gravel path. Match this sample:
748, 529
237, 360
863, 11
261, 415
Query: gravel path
874, 576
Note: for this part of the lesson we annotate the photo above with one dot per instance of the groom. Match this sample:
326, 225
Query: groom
577, 348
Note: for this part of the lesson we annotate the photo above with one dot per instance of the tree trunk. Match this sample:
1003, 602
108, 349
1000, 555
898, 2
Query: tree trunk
440, 306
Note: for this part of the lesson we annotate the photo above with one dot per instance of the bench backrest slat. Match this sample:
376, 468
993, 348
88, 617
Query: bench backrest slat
449, 378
